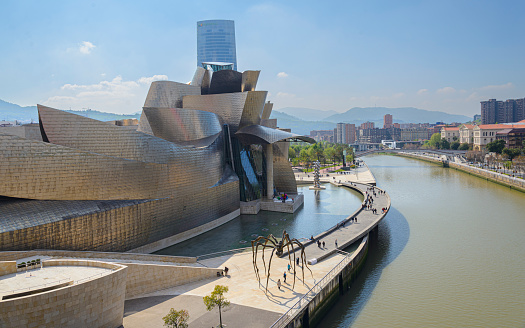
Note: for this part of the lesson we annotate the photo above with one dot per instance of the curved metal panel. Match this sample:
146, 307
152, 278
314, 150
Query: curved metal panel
144, 126
267, 111
110, 225
228, 106
283, 176
198, 77
57, 172
182, 125
168, 94
249, 80
47, 171
253, 107
79, 132
206, 80
225, 81
258, 134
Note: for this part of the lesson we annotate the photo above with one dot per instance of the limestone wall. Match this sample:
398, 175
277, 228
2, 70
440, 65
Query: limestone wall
320, 302
7, 267
15, 255
94, 303
147, 278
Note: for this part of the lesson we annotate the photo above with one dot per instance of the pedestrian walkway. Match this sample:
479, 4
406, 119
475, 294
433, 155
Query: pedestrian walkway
359, 174
349, 230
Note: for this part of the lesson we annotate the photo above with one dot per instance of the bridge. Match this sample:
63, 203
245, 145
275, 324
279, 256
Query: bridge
457, 156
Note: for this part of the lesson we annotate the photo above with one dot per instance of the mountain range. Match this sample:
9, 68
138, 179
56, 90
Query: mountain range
27, 114
300, 120
304, 120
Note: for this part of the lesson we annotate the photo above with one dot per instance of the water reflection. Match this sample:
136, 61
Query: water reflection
321, 210
383, 250
461, 265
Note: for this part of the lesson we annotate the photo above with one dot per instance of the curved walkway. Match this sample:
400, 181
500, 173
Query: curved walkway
252, 306
348, 231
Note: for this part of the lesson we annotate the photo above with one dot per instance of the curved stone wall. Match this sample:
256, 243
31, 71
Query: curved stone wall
94, 303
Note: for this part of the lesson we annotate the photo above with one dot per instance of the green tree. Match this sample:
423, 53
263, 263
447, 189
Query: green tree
304, 157
329, 152
511, 153
435, 140
216, 298
176, 319
444, 144
464, 146
455, 145
496, 146
291, 153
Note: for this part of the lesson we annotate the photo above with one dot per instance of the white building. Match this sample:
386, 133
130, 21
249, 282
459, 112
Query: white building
449, 132
466, 133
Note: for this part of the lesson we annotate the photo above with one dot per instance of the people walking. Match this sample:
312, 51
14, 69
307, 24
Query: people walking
289, 267
279, 284
336, 243
284, 276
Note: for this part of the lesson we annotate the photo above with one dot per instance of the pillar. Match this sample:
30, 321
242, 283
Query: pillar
269, 171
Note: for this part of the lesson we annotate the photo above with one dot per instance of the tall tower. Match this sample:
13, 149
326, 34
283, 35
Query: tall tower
387, 121
216, 42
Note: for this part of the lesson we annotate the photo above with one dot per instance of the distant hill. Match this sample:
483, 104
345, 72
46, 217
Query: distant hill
308, 114
12, 112
299, 126
400, 115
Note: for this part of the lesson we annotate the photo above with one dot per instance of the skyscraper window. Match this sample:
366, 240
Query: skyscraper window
216, 42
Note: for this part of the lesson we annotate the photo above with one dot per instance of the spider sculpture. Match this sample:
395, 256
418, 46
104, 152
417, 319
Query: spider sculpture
277, 249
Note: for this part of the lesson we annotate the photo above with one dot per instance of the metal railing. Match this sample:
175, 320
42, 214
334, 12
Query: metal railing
316, 289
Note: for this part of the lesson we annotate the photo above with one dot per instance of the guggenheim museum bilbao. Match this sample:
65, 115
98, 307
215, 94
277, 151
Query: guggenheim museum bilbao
200, 151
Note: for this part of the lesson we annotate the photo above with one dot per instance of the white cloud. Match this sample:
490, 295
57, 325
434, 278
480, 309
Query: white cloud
446, 90
282, 75
115, 96
86, 47
422, 91
285, 95
498, 87
148, 80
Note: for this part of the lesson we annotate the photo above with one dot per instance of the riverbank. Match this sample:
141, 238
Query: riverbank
499, 178
445, 257
332, 273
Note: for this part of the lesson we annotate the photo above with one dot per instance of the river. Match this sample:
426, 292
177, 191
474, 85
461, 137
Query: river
450, 253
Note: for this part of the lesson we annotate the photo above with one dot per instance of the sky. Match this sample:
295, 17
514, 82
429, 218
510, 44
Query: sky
445, 55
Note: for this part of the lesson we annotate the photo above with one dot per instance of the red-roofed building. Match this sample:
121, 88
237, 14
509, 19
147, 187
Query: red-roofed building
449, 132
485, 133
466, 133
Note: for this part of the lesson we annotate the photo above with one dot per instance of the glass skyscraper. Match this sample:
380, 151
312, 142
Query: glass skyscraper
216, 42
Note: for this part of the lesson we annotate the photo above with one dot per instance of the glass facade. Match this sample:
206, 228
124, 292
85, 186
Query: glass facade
216, 42
250, 166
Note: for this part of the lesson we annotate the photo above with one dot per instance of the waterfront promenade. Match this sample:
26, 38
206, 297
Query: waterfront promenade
251, 305
359, 174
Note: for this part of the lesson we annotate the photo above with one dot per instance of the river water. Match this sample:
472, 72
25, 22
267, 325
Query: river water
450, 253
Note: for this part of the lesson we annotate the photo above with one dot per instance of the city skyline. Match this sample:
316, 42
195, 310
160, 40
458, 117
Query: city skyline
328, 57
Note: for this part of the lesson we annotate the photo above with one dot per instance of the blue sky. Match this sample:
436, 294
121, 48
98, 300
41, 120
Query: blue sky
330, 55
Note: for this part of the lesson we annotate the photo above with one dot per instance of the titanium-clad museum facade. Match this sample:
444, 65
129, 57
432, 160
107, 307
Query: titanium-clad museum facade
200, 149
